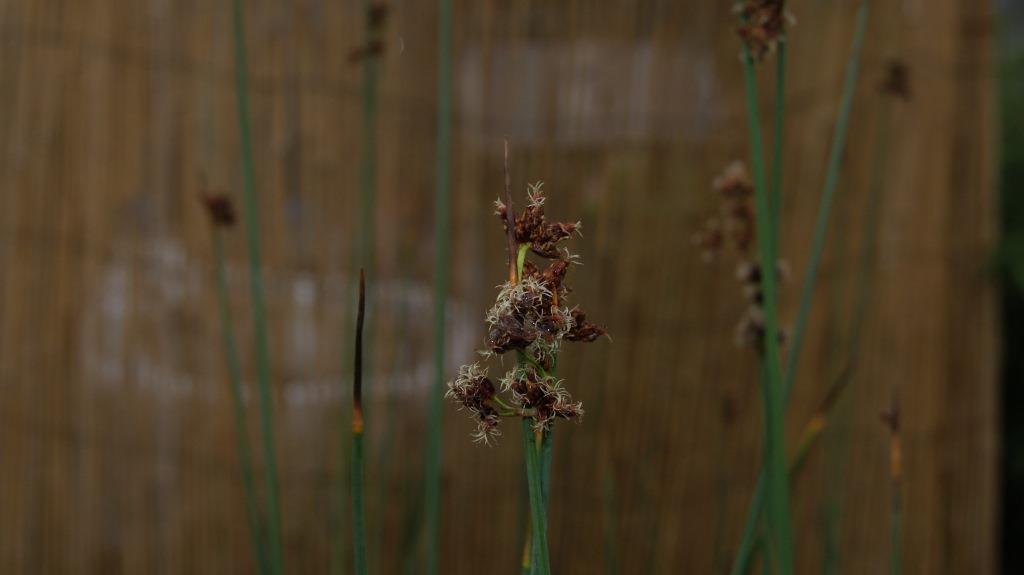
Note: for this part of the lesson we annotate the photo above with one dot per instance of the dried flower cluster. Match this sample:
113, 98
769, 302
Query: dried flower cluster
735, 227
529, 317
762, 24
735, 223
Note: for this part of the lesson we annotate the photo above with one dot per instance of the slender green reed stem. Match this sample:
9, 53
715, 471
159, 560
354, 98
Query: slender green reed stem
545, 461
387, 463
241, 427
364, 245
535, 484
778, 133
358, 465
746, 548
749, 538
778, 521
611, 543
256, 288
368, 167
432, 482
827, 194
543, 443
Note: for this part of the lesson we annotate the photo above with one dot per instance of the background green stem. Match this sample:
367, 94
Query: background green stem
252, 233
241, 426
432, 472
827, 194
746, 548
358, 505
778, 521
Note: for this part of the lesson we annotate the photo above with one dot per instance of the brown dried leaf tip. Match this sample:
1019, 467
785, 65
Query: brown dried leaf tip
762, 24
220, 208
529, 317
735, 227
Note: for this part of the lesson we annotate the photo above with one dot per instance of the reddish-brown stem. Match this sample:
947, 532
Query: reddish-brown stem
357, 380
510, 222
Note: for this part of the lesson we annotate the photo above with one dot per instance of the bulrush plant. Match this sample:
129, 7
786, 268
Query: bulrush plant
531, 318
762, 28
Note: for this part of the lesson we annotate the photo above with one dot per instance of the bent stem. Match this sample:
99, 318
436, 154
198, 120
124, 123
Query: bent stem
241, 427
256, 288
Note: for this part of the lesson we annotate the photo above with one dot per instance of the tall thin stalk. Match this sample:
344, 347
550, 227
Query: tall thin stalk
364, 228
368, 167
831, 179
241, 426
778, 133
535, 484
543, 442
252, 233
358, 465
748, 539
778, 521
432, 480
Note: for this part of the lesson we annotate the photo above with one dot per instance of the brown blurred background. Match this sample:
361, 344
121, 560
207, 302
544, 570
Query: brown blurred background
117, 451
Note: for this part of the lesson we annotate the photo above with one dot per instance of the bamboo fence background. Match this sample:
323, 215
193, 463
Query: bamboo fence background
116, 446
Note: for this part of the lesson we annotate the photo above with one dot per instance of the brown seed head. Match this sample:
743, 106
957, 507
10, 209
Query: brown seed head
763, 25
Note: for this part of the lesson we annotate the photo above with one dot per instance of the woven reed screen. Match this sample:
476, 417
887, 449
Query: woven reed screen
116, 441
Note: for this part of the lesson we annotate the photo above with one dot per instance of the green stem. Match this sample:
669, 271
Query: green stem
252, 233
364, 241
778, 521
827, 194
241, 427
778, 133
747, 543
544, 445
545, 461
535, 484
358, 505
432, 483
368, 168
